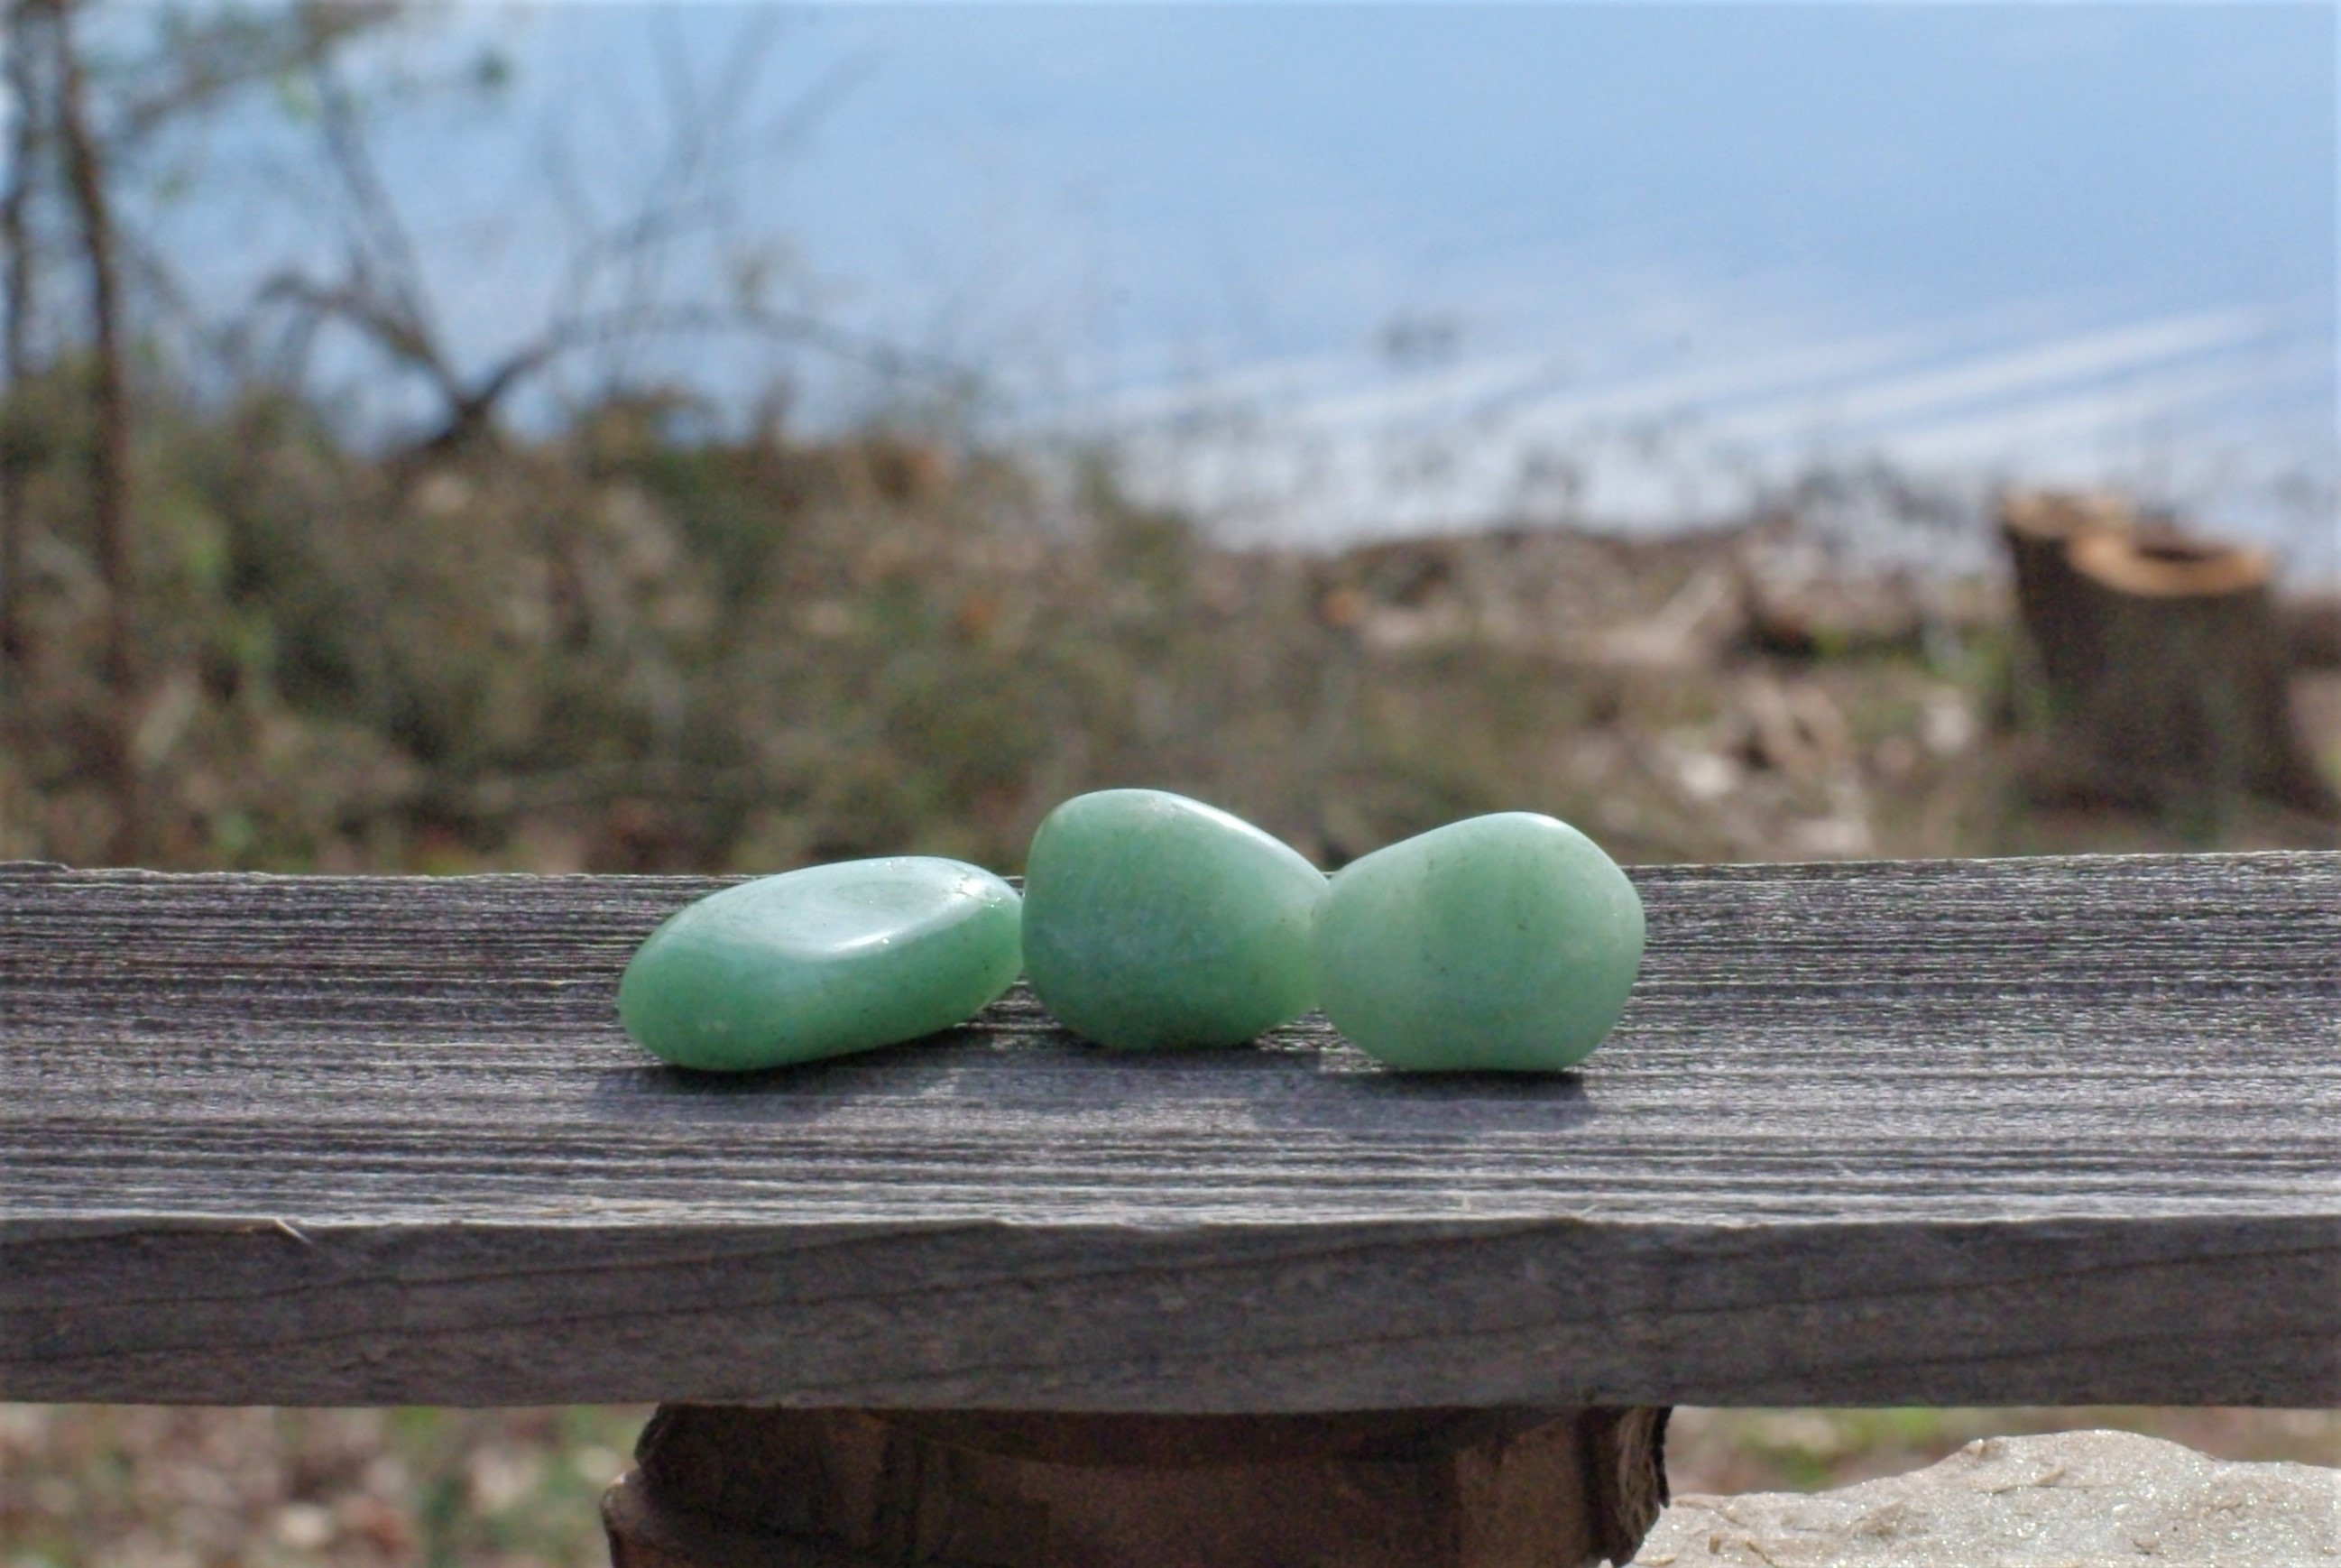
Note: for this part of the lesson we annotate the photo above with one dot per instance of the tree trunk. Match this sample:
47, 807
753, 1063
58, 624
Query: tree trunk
15, 321
2191, 707
2160, 662
109, 454
2059, 612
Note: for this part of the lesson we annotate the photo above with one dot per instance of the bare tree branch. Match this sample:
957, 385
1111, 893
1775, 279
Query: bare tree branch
109, 453
24, 150
205, 61
382, 261
788, 131
358, 304
617, 291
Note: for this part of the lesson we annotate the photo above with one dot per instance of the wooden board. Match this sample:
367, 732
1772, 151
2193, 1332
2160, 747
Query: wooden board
2016, 1131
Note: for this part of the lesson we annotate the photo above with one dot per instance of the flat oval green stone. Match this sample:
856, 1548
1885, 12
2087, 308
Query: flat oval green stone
821, 961
1153, 921
1505, 943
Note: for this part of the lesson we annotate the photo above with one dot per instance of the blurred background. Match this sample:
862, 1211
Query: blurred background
624, 438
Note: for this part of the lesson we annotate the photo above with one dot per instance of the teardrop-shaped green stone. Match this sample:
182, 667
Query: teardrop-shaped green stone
821, 962
1503, 942
1153, 921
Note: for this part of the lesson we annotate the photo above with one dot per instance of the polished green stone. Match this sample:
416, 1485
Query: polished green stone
1153, 921
1505, 943
821, 961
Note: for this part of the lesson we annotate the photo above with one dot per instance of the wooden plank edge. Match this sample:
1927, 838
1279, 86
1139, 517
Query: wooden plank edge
1202, 1319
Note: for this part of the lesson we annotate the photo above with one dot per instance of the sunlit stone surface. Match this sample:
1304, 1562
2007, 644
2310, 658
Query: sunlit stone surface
821, 961
1504, 942
2074, 1499
1153, 921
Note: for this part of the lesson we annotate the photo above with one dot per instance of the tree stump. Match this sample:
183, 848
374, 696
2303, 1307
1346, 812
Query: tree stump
2160, 663
728, 1487
2059, 612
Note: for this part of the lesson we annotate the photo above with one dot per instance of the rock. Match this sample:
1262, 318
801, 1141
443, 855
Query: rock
821, 962
1153, 921
1505, 943
2073, 1500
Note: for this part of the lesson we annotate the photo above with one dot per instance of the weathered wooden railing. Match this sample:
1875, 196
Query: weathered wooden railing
2047, 1131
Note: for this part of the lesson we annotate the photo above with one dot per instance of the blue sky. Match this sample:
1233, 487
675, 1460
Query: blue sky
1672, 251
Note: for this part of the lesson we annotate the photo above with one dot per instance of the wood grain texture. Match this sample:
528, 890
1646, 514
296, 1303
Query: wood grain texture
2017, 1131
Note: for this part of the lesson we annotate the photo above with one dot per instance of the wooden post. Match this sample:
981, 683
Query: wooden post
729, 1487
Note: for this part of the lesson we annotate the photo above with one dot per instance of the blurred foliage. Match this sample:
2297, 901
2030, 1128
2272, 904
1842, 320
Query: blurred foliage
146, 1487
608, 649
623, 649
133, 1487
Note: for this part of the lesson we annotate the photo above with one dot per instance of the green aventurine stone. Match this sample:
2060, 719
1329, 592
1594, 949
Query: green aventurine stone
1501, 942
821, 961
1153, 921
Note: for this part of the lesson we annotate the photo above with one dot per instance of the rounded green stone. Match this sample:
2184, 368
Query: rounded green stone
821, 961
1153, 921
1504, 942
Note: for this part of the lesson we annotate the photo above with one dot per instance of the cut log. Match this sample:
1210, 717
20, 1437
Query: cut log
718, 1486
2188, 708
2159, 665
2059, 612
